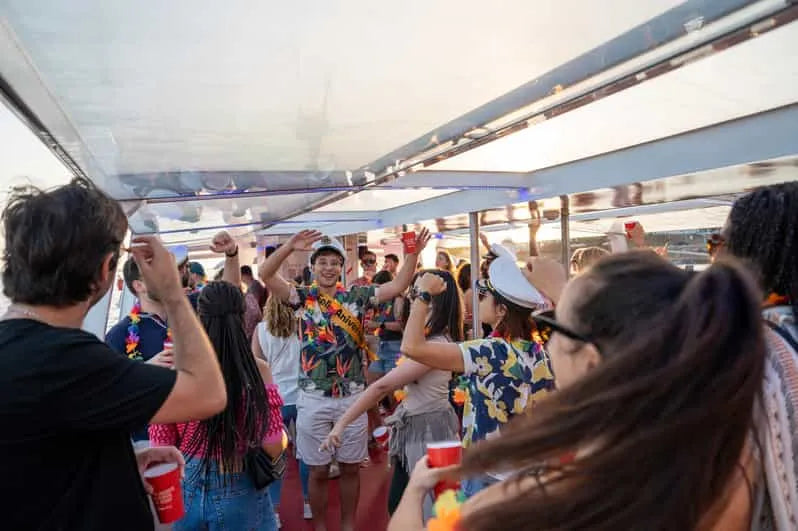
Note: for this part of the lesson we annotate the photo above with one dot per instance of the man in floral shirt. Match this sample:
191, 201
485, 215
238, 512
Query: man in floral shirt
332, 358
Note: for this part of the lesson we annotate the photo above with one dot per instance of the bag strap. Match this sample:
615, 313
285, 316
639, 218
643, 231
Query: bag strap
784, 334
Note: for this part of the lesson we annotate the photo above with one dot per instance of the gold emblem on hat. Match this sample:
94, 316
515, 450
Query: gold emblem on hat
325, 240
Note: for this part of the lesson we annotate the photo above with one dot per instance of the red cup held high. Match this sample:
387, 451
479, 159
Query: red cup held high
167, 494
441, 454
409, 242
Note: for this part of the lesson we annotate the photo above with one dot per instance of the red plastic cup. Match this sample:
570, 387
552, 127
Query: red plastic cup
441, 454
167, 494
168, 345
628, 226
409, 242
381, 435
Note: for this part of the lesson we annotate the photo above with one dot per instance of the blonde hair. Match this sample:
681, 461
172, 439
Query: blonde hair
584, 258
279, 317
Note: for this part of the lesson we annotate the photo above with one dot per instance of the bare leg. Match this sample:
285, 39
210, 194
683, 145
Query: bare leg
350, 492
317, 487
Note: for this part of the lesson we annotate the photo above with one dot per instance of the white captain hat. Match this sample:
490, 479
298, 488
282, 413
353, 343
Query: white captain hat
507, 279
327, 243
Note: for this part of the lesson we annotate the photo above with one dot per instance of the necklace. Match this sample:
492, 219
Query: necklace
24, 311
132, 340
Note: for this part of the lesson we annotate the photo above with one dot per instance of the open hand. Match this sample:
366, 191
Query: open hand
422, 239
223, 243
302, 241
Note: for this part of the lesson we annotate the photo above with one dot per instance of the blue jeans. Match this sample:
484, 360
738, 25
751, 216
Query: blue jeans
471, 486
289, 415
387, 354
213, 507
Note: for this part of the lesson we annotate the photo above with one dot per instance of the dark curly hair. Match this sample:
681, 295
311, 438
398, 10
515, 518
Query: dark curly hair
57, 242
763, 230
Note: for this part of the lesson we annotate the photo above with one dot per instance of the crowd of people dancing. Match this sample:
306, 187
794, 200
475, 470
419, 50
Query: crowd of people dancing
635, 395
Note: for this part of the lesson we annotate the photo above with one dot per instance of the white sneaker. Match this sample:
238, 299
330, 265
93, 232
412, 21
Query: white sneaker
307, 513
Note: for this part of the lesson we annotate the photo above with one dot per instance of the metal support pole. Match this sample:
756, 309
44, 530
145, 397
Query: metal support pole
565, 233
473, 218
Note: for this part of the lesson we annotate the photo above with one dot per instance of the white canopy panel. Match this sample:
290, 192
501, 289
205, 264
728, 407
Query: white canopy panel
752, 77
247, 85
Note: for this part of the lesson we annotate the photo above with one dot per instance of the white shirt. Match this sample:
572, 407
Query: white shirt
282, 354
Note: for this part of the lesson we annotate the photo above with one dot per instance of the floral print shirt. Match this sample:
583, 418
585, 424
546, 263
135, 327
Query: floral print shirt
504, 379
331, 364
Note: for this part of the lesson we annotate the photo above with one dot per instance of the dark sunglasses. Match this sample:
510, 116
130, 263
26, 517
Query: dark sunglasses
548, 325
484, 287
369, 261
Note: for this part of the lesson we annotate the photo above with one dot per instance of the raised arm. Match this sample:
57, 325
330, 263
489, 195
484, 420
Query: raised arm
224, 243
268, 270
199, 390
400, 283
445, 356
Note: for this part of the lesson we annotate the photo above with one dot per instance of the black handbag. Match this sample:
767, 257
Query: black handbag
262, 469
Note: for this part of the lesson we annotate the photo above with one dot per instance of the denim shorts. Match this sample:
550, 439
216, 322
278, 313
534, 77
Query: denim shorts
210, 505
387, 354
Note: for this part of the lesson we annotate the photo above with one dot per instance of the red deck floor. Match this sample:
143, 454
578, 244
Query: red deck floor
372, 511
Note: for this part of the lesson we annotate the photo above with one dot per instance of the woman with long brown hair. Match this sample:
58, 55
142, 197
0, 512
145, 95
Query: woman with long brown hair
425, 415
658, 372
504, 374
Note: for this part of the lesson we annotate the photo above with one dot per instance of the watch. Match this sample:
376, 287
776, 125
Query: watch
425, 297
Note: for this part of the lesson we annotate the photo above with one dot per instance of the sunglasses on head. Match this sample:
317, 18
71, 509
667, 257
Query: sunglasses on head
547, 325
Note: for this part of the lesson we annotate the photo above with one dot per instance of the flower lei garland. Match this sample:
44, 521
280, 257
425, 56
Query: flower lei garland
132, 340
446, 511
318, 333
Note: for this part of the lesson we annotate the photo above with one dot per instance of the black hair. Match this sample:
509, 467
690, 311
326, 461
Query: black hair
464, 276
131, 273
391, 256
246, 270
57, 242
244, 421
763, 230
447, 309
327, 251
382, 277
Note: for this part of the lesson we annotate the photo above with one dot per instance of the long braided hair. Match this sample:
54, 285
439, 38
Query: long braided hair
244, 421
763, 229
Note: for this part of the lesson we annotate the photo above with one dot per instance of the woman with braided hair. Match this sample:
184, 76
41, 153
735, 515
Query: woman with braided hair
762, 229
216, 489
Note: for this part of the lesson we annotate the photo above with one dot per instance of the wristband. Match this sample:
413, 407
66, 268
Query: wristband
235, 253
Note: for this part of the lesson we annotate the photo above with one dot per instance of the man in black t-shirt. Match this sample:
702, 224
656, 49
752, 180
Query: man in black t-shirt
67, 401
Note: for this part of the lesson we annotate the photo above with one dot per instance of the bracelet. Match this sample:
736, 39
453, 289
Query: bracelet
232, 255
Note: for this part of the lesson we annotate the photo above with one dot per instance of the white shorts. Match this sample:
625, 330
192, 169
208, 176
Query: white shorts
316, 416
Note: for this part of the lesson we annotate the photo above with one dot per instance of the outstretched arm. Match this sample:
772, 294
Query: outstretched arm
224, 243
399, 284
268, 270
405, 373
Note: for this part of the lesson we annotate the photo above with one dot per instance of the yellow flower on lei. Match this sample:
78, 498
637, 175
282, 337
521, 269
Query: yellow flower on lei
447, 512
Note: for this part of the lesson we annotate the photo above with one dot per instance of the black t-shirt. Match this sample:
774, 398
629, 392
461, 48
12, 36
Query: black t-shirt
67, 406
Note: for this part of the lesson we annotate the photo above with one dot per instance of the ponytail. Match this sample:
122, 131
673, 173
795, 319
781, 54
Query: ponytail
659, 427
